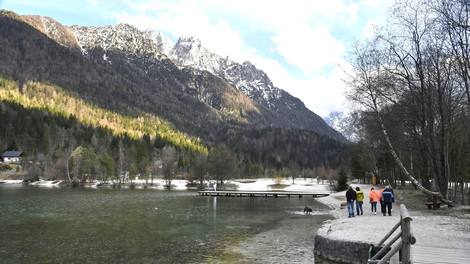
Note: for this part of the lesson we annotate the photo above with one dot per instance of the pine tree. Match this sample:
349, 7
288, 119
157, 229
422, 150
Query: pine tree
342, 179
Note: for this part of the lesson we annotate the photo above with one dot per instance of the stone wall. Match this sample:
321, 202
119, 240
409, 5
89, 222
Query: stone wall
340, 251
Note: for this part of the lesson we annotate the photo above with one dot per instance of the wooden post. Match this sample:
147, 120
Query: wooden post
404, 239
406, 235
394, 250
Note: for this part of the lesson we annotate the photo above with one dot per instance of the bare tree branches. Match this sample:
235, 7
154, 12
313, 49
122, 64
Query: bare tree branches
406, 76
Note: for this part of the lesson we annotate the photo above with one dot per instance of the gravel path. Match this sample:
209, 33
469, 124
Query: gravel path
445, 227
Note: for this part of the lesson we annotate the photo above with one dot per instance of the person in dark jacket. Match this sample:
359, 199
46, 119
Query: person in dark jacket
350, 198
388, 199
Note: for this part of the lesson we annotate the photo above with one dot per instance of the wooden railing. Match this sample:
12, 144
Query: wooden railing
401, 242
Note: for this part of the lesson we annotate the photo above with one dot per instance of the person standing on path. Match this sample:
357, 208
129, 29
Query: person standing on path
382, 206
374, 197
350, 198
359, 201
388, 199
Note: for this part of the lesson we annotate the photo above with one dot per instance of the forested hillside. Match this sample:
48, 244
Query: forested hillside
62, 108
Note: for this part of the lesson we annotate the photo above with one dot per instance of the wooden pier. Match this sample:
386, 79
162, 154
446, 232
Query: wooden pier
401, 248
439, 255
274, 194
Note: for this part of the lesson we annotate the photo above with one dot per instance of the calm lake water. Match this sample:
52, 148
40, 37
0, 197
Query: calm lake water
73, 225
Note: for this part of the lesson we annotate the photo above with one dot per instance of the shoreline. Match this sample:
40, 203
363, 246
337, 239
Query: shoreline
338, 250
347, 240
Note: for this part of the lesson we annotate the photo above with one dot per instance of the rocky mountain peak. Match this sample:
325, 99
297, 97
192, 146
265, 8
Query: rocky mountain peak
122, 37
52, 29
345, 123
254, 83
189, 52
163, 42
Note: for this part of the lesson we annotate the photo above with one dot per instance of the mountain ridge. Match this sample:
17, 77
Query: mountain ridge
345, 123
271, 106
127, 79
252, 82
189, 52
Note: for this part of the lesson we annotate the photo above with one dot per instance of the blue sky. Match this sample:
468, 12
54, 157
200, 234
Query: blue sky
300, 44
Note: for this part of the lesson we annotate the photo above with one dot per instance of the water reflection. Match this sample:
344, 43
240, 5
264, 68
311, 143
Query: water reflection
62, 225
212, 204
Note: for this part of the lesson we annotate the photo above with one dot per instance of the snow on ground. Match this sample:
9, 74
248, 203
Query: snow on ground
267, 184
443, 229
430, 229
12, 181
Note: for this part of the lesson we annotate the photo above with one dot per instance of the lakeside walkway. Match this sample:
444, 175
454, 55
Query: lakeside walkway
439, 255
442, 236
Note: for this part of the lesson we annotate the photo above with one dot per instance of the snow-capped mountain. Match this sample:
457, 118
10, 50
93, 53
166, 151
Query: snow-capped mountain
254, 83
150, 52
189, 52
123, 37
345, 123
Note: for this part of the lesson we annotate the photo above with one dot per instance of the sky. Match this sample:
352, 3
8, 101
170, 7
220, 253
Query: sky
302, 45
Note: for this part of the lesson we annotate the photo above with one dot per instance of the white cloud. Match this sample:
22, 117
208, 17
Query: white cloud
308, 49
187, 20
298, 43
371, 27
300, 32
321, 93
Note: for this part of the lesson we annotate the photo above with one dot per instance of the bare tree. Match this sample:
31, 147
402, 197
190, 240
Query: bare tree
170, 162
454, 17
222, 163
394, 70
200, 167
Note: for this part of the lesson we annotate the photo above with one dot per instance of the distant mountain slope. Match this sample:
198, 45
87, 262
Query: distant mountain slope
127, 71
144, 48
112, 80
288, 111
345, 123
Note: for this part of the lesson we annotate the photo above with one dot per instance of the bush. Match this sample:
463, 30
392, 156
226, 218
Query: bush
4, 167
278, 179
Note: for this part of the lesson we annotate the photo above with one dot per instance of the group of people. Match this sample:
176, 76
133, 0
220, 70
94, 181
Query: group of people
385, 196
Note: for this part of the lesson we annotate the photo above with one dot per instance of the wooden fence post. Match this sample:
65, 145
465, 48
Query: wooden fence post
407, 237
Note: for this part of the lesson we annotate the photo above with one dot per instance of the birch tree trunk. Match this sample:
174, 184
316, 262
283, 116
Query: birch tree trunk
405, 171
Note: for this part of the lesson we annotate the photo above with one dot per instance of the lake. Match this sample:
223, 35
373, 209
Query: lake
76, 225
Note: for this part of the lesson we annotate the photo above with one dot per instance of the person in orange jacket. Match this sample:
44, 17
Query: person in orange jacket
374, 197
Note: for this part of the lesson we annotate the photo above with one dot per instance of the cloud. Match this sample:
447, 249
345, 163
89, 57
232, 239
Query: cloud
298, 43
322, 93
299, 35
371, 27
177, 19
308, 49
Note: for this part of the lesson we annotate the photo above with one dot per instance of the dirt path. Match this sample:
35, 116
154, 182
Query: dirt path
445, 227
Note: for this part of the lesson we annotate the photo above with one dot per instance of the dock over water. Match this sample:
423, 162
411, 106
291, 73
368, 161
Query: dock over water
439, 255
274, 194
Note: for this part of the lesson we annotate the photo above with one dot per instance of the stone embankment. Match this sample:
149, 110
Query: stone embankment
342, 251
347, 240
